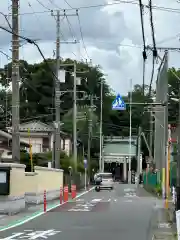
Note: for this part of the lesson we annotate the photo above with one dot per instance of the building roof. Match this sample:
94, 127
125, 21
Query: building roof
120, 139
9, 137
35, 126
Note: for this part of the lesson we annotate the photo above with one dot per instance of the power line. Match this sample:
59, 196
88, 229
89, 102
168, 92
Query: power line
152, 76
159, 8
152, 29
6, 18
141, 8
154, 45
80, 28
25, 80
70, 28
68, 4
43, 5
55, 5
28, 40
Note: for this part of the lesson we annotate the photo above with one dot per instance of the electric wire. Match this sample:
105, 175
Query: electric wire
154, 45
30, 41
152, 29
68, 4
152, 76
80, 28
159, 8
73, 35
54, 4
144, 43
30, 6
6, 18
40, 3
70, 28
144, 75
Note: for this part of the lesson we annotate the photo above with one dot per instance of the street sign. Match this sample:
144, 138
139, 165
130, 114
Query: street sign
85, 163
118, 103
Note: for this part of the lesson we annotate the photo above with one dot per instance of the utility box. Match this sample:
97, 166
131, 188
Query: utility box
5, 180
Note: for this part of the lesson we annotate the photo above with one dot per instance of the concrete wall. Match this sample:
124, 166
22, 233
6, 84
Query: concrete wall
28, 188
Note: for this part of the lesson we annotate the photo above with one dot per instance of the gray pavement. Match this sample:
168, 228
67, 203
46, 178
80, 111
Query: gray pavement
124, 213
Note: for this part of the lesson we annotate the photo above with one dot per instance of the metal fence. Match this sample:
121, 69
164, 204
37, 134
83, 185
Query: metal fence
150, 179
161, 116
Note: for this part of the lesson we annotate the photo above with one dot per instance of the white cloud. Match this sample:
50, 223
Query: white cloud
109, 34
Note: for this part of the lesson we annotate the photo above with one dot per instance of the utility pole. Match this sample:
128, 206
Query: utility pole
151, 133
57, 134
139, 154
168, 149
15, 82
178, 163
57, 144
100, 130
130, 131
75, 119
90, 130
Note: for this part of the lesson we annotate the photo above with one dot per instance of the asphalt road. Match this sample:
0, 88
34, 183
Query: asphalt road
124, 214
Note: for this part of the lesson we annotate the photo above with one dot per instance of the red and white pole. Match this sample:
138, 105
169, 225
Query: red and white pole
45, 201
66, 194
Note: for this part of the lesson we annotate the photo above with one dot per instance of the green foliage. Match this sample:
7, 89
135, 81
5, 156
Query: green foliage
174, 86
36, 101
25, 159
158, 190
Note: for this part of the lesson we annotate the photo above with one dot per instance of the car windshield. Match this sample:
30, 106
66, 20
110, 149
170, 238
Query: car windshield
106, 176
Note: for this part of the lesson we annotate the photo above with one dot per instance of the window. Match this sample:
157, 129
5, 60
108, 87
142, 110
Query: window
105, 176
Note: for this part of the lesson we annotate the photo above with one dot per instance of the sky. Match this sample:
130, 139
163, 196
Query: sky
111, 32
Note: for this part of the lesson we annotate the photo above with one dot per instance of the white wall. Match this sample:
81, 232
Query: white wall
67, 148
5, 153
36, 143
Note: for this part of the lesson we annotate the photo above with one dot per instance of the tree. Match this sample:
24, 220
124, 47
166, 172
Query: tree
173, 90
37, 100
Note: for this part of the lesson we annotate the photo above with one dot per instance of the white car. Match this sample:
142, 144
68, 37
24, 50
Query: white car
107, 180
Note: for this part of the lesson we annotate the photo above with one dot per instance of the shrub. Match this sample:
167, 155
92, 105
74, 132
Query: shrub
158, 190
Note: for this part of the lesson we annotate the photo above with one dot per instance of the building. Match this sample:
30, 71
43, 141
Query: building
41, 137
174, 146
116, 152
6, 146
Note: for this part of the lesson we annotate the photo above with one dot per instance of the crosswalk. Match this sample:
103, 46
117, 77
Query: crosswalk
130, 193
95, 203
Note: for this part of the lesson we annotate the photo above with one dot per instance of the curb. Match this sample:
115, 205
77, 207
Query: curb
36, 214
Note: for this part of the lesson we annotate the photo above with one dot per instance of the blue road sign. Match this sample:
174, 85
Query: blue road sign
85, 163
118, 103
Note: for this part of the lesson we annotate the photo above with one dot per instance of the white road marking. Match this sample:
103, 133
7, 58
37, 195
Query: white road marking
127, 189
40, 214
80, 200
32, 235
96, 200
164, 225
79, 210
13, 236
128, 201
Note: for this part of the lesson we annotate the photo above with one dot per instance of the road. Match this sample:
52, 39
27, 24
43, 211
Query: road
124, 213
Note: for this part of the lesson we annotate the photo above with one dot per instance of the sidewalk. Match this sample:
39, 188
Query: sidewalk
29, 211
163, 225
